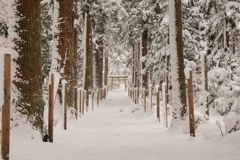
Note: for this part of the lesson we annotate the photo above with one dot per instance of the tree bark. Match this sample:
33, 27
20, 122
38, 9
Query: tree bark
144, 49
99, 63
88, 77
106, 70
66, 46
28, 74
177, 59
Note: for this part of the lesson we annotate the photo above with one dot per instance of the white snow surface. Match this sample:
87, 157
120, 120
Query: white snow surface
120, 130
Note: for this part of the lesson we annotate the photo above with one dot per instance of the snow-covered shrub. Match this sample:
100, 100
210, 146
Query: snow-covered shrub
221, 105
216, 76
232, 122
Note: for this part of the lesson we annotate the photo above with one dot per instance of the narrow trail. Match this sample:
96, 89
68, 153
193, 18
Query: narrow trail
119, 130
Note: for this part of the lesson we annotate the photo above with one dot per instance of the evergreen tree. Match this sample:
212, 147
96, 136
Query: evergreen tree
28, 76
177, 59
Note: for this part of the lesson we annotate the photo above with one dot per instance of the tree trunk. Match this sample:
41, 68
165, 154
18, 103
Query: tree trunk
144, 51
88, 73
99, 63
106, 70
28, 74
133, 66
66, 46
177, 60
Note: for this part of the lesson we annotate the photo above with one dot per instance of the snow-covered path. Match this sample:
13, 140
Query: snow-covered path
117, 130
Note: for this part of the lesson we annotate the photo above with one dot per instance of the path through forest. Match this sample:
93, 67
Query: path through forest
119, 130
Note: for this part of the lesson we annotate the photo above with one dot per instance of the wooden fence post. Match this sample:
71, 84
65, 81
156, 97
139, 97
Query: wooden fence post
112, 85
92, 100
144, 100
190, 105
80, 102
125, 84
205, 74
164, 87
103, 93
100, 94
105, 96
135, 96
76, 102
86, 95
158, 104
51, 108
65, 105
83, 97
98, 97
150, 95
130, 92
6, 108
138, 95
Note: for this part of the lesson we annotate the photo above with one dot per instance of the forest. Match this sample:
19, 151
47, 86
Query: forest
176, 65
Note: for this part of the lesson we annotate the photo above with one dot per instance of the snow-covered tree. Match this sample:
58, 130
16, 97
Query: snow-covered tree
25, 33
177, 60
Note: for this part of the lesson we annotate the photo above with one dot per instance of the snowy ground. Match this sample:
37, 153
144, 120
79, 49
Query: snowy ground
117, 130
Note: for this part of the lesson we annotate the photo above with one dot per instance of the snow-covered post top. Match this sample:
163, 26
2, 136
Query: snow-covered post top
3, 52
188, 72
156, 88
150, 85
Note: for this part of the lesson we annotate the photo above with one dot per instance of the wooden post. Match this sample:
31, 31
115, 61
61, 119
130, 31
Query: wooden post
80, 102
65, 106
135, 96
6, 108
125, 84
76, 102
150, 95
105, 91
130, 93
98, 97
165, 103
51, 108
92, 100
86, 95
206, 84
190, 105
144, 99
112, 85
138, 95
83, 100
158, 104
100, 94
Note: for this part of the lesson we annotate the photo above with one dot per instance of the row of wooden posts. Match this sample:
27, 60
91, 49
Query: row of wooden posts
79, 103
134, 94
6, 107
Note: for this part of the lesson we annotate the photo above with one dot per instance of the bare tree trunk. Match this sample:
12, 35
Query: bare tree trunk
177, 59
28, 74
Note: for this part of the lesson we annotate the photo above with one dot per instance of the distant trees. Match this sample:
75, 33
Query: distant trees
81, 39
